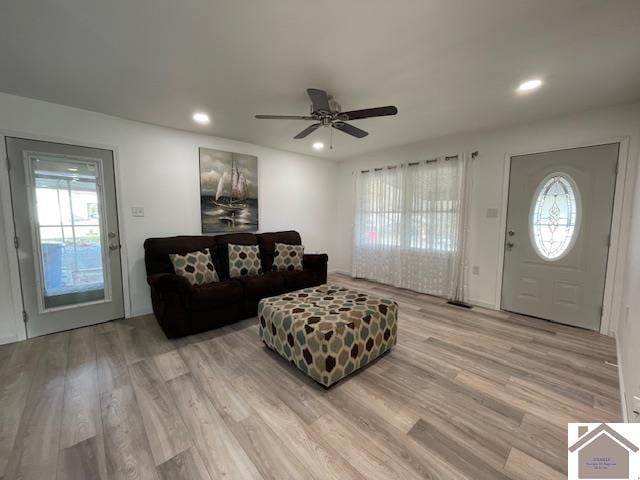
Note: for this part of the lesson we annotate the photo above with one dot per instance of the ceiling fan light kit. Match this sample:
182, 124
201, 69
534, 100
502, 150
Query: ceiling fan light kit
326, 112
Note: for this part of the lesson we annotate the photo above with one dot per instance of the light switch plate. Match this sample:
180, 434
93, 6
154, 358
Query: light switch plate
137, 211
492, 213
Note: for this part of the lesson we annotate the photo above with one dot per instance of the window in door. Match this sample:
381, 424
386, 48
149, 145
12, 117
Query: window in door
555, 214
68, 230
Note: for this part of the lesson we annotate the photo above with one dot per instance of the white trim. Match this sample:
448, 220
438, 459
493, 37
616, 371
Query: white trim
9, 339
620, 229
140, 312
122, 232
619, 241
502, 233
623, 391
12, 258
482, 303
472, 301
340, 272
5, 201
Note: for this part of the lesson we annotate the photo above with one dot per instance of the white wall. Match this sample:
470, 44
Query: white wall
628, 333
158, 169
485, 234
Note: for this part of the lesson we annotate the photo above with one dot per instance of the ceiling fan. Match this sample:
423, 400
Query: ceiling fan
326, 112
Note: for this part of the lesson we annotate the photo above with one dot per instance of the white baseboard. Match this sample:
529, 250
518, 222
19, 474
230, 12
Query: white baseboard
140, 313
481, 303
477, 303
341, 272
9, 339
623, 391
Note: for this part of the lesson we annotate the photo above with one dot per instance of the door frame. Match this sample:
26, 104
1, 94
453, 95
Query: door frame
7, 213
620, 230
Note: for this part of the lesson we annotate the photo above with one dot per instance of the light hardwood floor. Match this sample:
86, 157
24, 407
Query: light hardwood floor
464, 395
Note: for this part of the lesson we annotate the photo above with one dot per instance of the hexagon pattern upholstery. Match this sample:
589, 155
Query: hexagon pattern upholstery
288, 258
244, 260
197, 267
328, 331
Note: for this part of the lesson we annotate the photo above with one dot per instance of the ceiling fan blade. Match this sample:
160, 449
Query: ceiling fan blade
319, 100
350, 129
369, 112
307, 131
284, 117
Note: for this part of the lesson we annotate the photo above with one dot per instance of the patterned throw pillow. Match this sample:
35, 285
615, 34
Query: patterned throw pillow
244, 260
197, 267
287, 257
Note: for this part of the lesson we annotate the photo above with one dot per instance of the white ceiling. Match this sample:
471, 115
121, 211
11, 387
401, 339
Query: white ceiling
449, 66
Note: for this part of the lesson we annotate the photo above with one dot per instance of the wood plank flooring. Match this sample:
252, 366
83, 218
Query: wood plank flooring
464, 395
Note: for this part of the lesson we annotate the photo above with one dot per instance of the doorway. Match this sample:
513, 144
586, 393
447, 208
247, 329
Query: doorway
67, 238
559, 213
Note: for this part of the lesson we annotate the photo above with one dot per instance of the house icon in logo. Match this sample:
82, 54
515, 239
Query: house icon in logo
602, 453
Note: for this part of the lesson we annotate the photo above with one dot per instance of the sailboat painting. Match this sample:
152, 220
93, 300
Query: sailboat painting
228, 191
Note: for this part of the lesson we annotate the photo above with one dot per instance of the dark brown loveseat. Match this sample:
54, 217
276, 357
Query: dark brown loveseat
183, 309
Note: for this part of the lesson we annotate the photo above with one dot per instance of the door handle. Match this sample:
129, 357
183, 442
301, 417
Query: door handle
114, 247
510, 245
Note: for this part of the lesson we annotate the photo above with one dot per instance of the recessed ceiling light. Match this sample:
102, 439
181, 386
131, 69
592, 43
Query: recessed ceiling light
530, 85
201, 118
318, 146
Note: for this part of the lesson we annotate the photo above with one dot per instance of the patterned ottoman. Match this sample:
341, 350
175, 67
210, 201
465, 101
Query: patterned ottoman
328, 331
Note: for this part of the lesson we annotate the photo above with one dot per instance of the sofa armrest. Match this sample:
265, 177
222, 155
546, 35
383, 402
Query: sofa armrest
314, 261
169, 282
317, 263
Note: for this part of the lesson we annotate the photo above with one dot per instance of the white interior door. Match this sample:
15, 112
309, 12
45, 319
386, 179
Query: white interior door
558, 227
67, 240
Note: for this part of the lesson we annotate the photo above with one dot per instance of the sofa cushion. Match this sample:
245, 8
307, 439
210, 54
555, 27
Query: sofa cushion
244, 260
287, 258
297, 280
260, 286
157, 251
197, 267
205, 297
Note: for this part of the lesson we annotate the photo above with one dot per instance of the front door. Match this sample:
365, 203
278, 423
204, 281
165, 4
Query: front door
558, 226
67, 240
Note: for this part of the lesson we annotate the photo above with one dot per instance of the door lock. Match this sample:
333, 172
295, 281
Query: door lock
511, 233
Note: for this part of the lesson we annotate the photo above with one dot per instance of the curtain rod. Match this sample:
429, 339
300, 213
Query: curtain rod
413, 164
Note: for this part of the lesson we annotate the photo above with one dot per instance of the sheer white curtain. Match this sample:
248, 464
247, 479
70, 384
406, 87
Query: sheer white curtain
410, 225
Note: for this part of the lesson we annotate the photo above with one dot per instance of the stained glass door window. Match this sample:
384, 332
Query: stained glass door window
554, 216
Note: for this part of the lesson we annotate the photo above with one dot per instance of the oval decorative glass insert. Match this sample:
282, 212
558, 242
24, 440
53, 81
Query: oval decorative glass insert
554, 216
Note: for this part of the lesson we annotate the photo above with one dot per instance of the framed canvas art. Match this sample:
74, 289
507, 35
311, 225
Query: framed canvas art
228, 191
